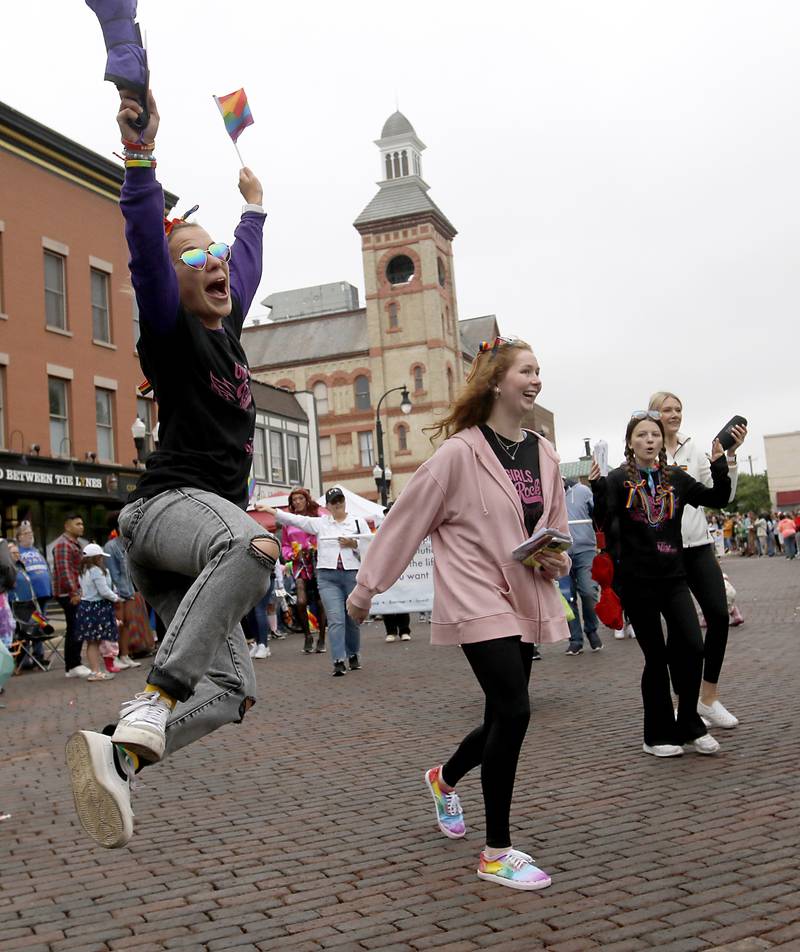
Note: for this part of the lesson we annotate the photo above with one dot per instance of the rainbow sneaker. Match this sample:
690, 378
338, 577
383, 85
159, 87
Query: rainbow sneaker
514, 869
449, 815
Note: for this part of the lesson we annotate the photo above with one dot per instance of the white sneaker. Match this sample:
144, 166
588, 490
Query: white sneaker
629, 632
705, 745
619, 635
405, 637
142, 725
125, 662
79, 671
717, 715
390, 638
261, 652
102, 796
663, 750
253, 647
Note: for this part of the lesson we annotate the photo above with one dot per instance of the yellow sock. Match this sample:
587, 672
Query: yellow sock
134, 758
152, 688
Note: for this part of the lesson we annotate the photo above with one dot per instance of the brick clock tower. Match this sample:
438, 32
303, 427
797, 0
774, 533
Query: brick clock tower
412, 315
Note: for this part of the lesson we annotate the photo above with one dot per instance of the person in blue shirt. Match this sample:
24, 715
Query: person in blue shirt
580, 506
24, 601
125, 608
35, 564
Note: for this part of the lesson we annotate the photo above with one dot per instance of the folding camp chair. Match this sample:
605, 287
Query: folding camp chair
31, 632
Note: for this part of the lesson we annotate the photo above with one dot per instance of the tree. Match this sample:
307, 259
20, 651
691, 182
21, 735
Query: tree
752, 494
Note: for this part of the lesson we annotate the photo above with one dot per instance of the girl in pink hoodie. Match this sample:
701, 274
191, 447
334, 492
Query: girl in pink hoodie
481, 494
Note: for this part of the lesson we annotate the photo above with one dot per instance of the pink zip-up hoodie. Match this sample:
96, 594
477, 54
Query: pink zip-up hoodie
462, 498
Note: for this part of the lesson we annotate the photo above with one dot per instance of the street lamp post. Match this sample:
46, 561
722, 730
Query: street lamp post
384, 476
138, 432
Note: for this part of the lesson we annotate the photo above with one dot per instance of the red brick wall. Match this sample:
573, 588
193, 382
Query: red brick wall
37, 203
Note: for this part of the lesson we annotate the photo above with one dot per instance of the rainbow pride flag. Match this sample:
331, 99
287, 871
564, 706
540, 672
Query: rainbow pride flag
235, 111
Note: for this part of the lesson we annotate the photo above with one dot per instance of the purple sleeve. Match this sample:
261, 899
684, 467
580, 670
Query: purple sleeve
152, 273
246, 260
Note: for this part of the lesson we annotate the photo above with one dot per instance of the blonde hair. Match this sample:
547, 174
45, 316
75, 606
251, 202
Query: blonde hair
660, 396
475, 403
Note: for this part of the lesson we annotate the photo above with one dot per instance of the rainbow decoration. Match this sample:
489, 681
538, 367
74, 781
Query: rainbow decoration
313, 621
39, 618
235, 111
251, 486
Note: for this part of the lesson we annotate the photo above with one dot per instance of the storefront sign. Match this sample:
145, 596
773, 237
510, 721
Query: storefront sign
51, 479
22, 479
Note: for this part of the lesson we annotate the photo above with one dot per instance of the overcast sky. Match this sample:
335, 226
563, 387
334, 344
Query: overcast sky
623, 175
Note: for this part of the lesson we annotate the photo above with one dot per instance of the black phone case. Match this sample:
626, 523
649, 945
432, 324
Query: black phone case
724, 436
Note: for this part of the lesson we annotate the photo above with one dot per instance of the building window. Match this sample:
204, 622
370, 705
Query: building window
402, 438
400, 270
136, 327
417, 169
393, 322
419, 379
450, 386
3, 408
396, 159
101, 321
59, 417
326, 453
404, 162
365, 449
2, 300
293, 458
276, 457
104, 417
389, 166
442, 273
55, 302
361, 389
259, 453
320, 391
144, 410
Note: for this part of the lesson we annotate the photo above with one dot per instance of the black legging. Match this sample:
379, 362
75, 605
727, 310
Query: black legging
646, 600
708, 586
397, 624
503, 669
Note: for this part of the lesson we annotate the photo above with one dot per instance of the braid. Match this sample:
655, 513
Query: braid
633, 469
665, 467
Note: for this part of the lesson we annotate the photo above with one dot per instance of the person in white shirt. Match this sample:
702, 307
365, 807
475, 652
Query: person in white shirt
699, 557
339, 538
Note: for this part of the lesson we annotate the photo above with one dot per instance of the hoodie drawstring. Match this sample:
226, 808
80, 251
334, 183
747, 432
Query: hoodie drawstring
478, 479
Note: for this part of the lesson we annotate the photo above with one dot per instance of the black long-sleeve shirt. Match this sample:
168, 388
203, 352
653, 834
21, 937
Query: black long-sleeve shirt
646, 551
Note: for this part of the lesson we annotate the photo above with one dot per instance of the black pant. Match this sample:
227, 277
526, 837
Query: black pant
681, 656
708, 586
397, 624
72, 643
503, 669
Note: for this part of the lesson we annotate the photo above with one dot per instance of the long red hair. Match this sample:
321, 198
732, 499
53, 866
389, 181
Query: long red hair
312, 506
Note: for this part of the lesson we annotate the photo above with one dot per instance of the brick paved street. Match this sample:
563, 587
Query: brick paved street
308, 826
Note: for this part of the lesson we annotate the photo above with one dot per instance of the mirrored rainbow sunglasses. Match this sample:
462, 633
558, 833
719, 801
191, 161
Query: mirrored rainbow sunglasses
197, 259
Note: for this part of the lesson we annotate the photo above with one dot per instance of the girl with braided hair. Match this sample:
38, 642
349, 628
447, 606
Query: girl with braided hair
640, 506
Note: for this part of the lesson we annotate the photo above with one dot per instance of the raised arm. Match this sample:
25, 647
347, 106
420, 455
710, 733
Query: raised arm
142, 203
694, 493
247, 251
309, 524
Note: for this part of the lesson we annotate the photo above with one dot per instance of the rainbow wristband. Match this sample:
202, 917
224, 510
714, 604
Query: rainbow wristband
140, 163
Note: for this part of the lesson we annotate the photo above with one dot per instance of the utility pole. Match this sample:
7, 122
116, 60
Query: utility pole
750, 463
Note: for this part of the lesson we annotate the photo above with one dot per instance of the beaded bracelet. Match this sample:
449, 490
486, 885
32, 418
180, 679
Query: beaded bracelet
139, 146
137, 155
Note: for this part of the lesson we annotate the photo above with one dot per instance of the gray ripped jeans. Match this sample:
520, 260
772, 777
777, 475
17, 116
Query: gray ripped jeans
190, 555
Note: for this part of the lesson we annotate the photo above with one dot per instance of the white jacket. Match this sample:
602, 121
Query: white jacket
691, 458
328, 532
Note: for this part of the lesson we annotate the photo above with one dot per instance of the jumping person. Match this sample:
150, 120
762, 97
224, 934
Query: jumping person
193, 552
703, 574
299, 549
640, 505
339, 536
484, 490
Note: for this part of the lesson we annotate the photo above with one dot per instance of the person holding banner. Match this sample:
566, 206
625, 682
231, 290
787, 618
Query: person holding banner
193, 552
480, 495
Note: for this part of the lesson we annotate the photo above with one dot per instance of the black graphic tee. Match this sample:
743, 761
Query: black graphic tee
523, 471
205, 408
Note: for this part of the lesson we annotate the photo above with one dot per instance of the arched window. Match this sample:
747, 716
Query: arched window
416, 165
404, 162
402, 438
400, 270
442, 272
450, 385
393, 322
388, 166
419, 379
396, 165
320, 391
361, 391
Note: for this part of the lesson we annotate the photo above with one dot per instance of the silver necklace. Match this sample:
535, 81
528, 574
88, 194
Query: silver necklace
507, 447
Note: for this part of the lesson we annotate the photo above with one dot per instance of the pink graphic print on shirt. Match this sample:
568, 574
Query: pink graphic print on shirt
234, 392
528, 486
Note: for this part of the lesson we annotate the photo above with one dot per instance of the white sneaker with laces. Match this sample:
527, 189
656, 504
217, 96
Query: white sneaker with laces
405, 636
142, 725
102, 796
126, 662
705, 745
252, 649
663, 750
717, 715
79, 671
619, 635
261, 652
391, 638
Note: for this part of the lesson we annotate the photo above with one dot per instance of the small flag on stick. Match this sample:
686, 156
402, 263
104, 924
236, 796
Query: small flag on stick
236, 113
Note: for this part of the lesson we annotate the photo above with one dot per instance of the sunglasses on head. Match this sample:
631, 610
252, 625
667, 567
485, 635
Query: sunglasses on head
497, 342
197, 259
646, 415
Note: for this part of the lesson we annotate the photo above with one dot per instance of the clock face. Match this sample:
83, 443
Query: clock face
400, 270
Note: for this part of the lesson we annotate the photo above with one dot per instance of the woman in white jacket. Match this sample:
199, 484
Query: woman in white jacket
702, 568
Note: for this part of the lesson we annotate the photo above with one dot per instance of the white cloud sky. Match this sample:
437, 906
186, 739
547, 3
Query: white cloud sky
623, 175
